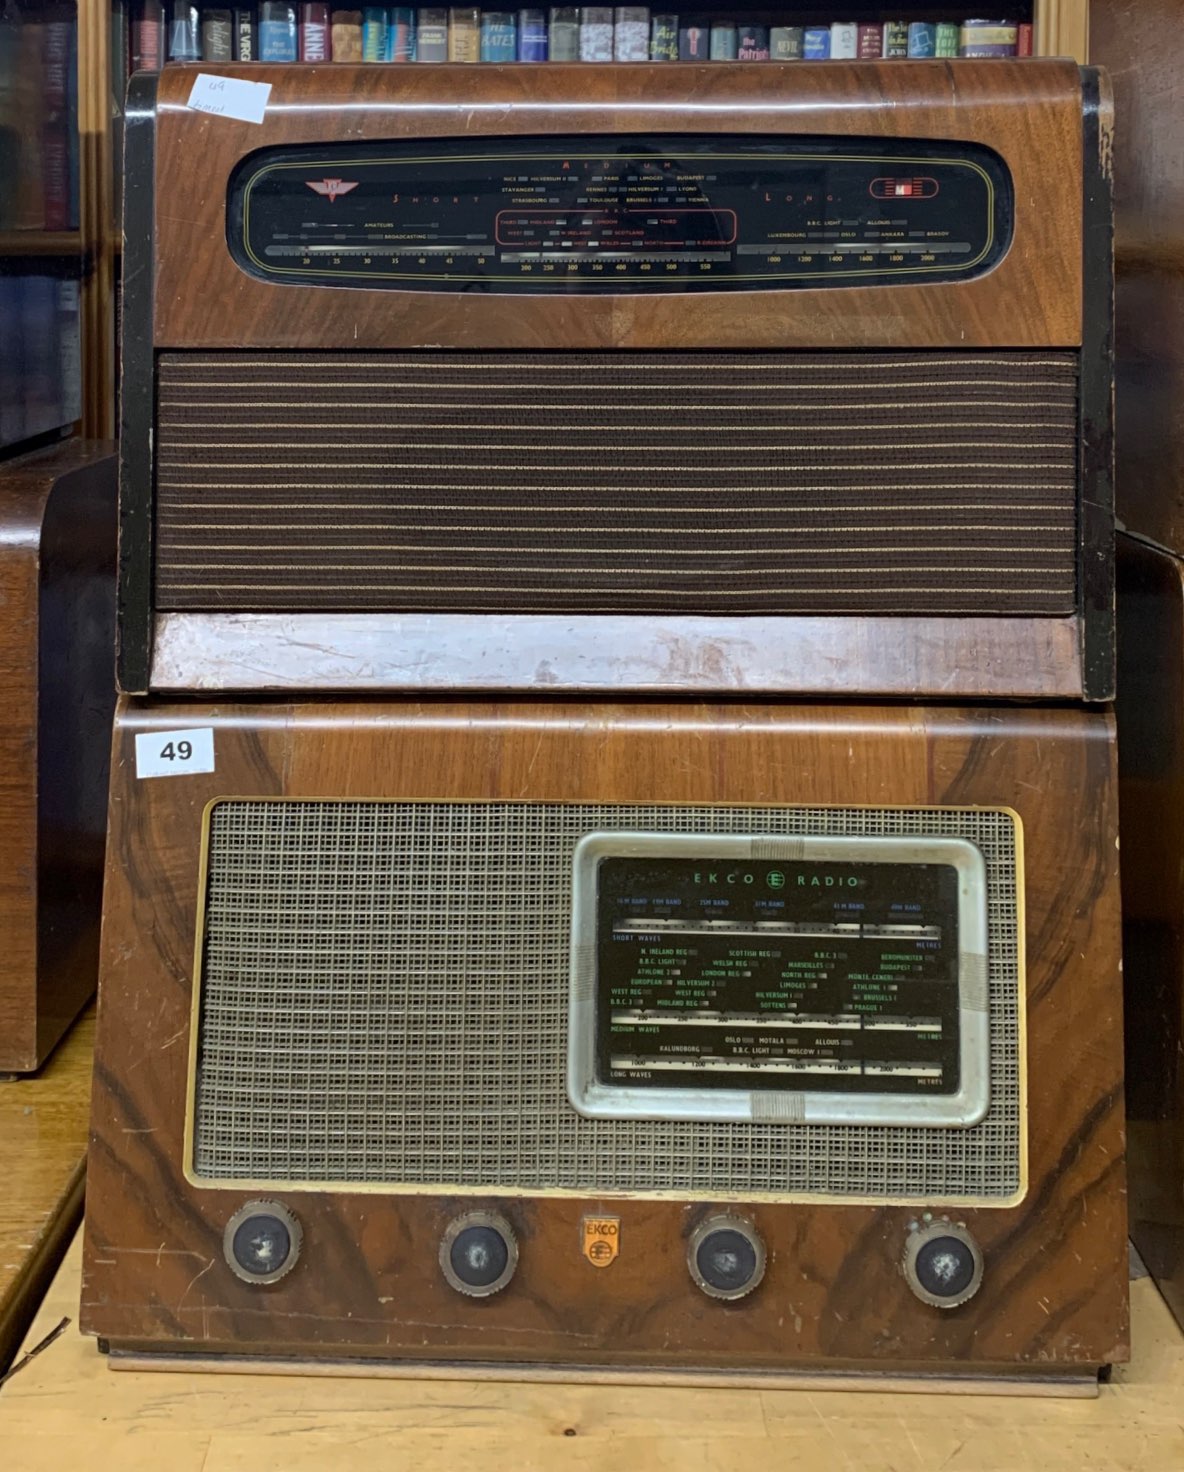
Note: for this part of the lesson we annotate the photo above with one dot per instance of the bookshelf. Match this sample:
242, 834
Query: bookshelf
104, 50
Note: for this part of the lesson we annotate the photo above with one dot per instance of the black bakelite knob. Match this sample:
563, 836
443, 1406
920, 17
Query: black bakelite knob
478, 1253
262, 1242
726, 1257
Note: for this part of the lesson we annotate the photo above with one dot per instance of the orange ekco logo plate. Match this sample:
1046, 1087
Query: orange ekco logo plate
601, 1238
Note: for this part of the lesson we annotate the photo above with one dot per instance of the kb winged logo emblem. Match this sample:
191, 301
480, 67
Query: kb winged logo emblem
331, 188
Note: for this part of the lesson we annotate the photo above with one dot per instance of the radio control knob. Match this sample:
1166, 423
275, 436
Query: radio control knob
726, 1257
943, 1264
478, 1253
262, 1242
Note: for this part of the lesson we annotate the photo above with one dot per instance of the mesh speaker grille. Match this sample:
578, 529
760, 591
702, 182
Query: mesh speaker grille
384, 1000
617, 482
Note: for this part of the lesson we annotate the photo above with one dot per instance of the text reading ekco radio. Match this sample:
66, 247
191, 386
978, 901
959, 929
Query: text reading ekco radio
613, 860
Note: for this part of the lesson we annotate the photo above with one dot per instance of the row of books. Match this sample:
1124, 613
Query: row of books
286, 33
38, 121
40, 365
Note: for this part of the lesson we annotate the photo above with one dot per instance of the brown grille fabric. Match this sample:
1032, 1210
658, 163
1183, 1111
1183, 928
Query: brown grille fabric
617, 482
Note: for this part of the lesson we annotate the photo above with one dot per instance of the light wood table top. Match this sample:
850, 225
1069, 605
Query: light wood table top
43, 1129
66, 1410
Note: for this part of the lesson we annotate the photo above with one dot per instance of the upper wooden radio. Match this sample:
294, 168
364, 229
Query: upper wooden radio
788, 379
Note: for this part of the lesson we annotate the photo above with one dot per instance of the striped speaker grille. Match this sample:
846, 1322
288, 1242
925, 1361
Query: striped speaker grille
617, 482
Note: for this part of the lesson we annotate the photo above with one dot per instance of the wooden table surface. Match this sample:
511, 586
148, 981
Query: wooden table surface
66, 1411
43, 1129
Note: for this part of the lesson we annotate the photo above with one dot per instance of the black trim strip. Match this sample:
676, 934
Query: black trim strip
1096, 402
134, 642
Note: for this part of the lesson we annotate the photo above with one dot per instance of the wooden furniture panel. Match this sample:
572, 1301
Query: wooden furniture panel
1030, 112
1054, 1298
43, 1127
57, 588
1151, 788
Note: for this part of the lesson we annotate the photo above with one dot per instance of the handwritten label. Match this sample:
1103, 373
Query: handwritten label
230, 97
174, 753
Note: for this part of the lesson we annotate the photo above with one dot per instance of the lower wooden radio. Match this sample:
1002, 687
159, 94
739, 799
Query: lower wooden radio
530, 1037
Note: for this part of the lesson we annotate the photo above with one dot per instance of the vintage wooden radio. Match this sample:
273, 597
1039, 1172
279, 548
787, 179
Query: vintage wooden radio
741, 1038
777, 379
57, 646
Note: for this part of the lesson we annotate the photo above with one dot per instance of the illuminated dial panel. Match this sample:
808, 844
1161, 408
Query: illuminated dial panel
620, 214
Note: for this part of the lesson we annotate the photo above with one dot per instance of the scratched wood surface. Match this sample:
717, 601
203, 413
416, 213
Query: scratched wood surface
43, 1123
1053, 1298
66, 1409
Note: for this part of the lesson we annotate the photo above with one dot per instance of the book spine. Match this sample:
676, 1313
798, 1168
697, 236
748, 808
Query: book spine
464, 34
314, 33
532, 35
844, 41
431, 36
631, 33
277, 33
987, 38
217, 35
922, 39
724, 42
184, 33
752, 43
947, 39
786, 43
563, 33
345, 35
1023, 40
664, 38
499, 35
245, 48
374, 34
896, 38
596, 33
871, 42
400, 35
816, 43
148, 38
55, 148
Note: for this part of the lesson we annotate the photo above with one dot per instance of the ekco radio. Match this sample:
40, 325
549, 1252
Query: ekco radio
612, 864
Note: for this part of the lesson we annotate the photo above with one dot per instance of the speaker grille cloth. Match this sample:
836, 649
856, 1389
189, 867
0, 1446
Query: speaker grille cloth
617, 482
384, 999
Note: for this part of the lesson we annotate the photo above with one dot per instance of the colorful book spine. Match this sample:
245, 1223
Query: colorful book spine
1023, 39
464, 34
631, 33
532, 35
400, 35
147, 38
431, 36
816, 43
345, 35
844, 41
596, 33
752, 43
374, 27
563, 33
724, 42
664, 38
314, 33
245, 48
499, 35
277, 33
984, 38
185, 33
786, 43
871, 42
896, 38
922, 39
947, 39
